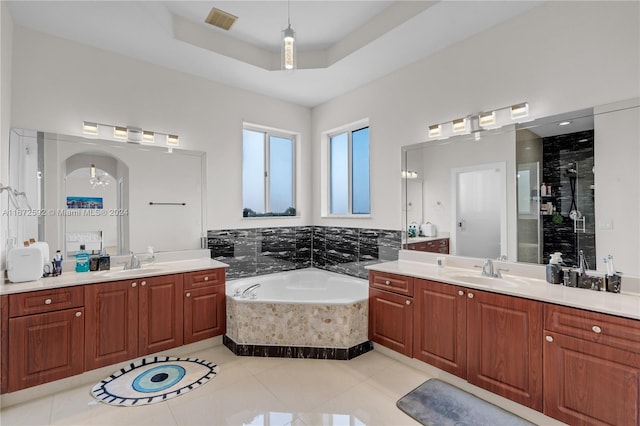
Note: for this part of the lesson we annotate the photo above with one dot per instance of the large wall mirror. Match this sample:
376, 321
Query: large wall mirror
103, 194
566, 183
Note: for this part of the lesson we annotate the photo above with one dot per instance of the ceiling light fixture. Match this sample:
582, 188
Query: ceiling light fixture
564, 123
89, 128
120, 132
173, 140
288, 44
459, 125
487, 118
148, 137
98, 178
435, 131
520, 110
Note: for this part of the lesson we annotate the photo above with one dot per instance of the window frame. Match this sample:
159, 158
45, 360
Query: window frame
269, 132
349, 130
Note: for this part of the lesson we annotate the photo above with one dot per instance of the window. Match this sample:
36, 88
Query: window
268, 170
349, 172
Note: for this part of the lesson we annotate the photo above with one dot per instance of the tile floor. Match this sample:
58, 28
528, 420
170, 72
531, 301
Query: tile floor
251, 391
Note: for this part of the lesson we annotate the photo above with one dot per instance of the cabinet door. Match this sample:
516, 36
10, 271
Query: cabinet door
440, 324
160, 313
4, 343
504, 346
587, 383
45, 347
204, 313
111, 323
391, 320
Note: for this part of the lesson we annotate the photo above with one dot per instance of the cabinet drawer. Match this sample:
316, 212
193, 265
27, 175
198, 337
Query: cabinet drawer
36, 302
205, 278
622, 333
391, 282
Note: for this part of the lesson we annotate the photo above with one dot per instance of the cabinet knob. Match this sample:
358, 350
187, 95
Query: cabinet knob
78, 314
460, 293
408, 302
387, 282
134, 284
47, 301
206, 278
143, 283
470, 295
188, 295
596, 329
548, 338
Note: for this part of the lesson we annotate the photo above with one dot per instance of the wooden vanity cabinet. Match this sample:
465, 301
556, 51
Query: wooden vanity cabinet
391, 311
504, 346
591, 367
131, 318
4, 343
440, 326
204, 305
46, 330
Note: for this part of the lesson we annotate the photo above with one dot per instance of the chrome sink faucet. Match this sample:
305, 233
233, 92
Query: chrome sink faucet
134, 263
488, 270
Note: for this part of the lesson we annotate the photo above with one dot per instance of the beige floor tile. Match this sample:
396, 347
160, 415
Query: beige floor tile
243, 402
303, 384
397, 380
37, 412
363, 404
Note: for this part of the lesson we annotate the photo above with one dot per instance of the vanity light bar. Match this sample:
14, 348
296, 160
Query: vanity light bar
472, 123
128, 133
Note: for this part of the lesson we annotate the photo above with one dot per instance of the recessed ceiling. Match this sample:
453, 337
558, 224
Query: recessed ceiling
342, 45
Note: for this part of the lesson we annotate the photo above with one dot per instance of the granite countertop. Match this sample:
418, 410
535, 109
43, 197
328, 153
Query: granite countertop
620, 304
72, 278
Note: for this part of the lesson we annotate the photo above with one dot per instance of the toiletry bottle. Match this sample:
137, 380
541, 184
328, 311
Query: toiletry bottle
82, 260
554, 269
612, 268
93, 261
104, 262
57, 262
543, 190
151, 257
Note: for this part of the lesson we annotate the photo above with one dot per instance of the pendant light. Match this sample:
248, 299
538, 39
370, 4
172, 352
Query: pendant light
288, 44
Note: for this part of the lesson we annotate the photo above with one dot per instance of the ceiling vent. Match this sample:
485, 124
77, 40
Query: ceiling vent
221, 19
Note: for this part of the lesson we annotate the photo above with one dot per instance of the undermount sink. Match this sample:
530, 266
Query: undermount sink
141, 272
478, 279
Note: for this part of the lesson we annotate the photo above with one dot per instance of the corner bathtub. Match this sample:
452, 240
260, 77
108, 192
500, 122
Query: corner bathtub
306, 313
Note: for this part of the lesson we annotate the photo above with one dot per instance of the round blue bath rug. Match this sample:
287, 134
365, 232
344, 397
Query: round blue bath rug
154, 379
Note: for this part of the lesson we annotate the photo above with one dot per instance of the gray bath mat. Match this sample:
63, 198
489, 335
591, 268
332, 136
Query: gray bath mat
437, 403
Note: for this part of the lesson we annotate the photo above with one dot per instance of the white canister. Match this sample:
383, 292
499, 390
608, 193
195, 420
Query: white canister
428, 230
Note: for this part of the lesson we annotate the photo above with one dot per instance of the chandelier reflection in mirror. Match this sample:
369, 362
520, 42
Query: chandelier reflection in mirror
98, 178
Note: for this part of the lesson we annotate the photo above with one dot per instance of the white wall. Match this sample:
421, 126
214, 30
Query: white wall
57, 84
6, 48
560, 57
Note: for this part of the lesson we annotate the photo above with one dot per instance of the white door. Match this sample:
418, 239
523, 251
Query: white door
479, 200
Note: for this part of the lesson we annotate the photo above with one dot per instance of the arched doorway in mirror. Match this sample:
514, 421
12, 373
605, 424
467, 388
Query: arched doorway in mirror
96, 192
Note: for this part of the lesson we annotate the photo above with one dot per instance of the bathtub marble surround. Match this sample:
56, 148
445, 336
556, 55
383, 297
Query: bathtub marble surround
306, 352
259, 251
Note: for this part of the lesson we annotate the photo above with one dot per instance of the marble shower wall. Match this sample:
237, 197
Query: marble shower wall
259, 251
